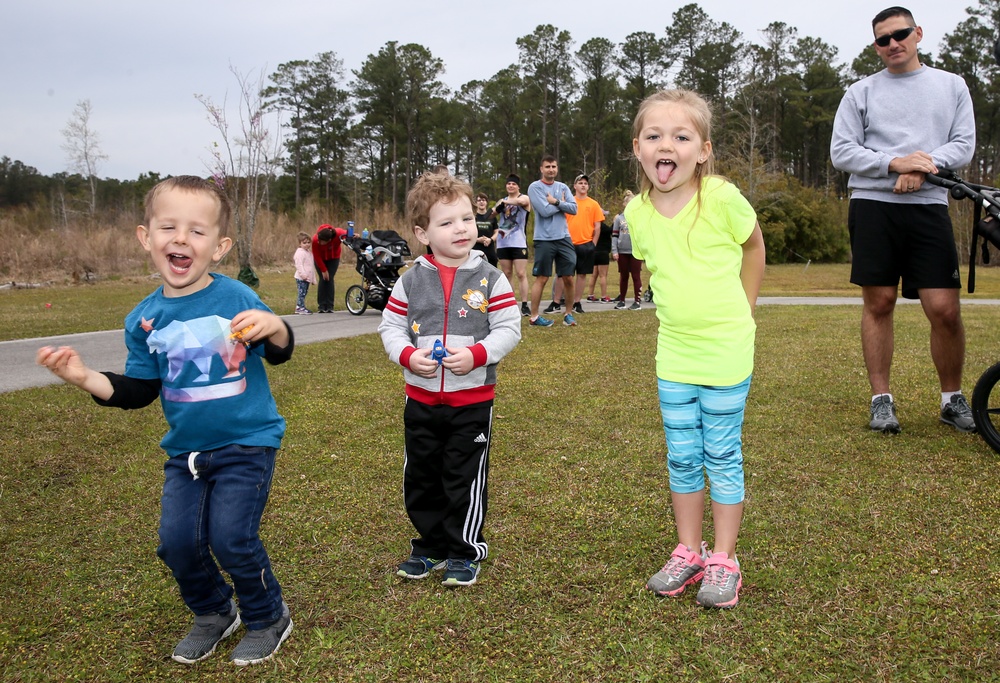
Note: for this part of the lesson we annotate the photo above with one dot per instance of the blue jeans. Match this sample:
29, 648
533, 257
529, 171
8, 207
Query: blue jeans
303, 286
211, 509
704, 429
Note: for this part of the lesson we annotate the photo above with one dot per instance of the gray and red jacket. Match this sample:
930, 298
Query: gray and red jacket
482, 314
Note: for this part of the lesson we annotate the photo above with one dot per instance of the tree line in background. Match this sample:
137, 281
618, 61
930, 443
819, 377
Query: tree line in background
356, 142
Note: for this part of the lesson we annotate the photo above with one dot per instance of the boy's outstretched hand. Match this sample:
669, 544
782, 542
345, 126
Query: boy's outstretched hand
255, 325
66, 364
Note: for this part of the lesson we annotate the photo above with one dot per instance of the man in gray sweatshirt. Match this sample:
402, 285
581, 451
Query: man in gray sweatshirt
891, 130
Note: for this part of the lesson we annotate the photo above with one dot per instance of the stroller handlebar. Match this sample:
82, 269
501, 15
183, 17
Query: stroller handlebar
985, 196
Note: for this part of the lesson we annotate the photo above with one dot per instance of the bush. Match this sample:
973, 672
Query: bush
801, 223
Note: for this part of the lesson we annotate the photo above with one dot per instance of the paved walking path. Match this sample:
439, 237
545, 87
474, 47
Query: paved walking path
106, 350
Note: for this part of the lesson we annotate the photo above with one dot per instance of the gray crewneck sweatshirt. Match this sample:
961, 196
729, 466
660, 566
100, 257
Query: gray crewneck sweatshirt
888, 115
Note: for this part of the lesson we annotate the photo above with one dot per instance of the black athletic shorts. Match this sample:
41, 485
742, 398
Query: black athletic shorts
909, 241
585, 258
602, 258
512, 253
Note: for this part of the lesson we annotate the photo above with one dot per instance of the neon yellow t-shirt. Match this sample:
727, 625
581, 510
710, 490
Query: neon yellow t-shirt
706, 329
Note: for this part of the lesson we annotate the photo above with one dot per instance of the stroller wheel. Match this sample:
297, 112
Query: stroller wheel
356, 299
986, 406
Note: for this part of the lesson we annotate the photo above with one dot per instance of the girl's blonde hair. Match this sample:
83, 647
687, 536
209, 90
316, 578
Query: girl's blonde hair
700, 112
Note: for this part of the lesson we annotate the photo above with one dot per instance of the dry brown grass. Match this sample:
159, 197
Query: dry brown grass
36, 247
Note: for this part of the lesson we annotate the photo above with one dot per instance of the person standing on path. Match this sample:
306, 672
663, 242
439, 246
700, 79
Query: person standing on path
551, 201
628, 265
512, 242
326, 249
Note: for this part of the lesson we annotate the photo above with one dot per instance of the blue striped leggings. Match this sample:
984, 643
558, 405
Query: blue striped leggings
704, 426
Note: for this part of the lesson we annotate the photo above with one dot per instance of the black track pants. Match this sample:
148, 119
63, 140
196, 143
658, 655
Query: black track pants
444, 477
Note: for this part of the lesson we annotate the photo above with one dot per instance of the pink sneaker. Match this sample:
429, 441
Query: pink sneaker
682, 569
720, 587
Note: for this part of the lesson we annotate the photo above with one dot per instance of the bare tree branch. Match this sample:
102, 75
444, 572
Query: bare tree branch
83, 148
246, 159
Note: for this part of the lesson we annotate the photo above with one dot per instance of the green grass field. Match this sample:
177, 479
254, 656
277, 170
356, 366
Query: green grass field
103, 305
866, 557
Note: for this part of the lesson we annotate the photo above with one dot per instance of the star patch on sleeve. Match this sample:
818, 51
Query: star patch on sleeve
415, 327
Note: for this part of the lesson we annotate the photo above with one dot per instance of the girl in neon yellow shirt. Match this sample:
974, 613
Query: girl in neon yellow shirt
704, 249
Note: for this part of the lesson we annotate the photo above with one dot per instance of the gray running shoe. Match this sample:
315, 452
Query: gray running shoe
259, 646
682, 569
720, 587
958, 414
883, 413
620, 306
636, 306
208, 631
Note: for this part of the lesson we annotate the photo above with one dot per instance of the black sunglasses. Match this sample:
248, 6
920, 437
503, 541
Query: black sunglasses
899, 36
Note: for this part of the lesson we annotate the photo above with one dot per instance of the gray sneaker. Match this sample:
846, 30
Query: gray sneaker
883, 412
208, 631
682, 569
636, 306
620, 306
259, 646
720, 587
958, 414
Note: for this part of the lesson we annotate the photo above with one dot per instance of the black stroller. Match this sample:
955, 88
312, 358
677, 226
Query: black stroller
380, 257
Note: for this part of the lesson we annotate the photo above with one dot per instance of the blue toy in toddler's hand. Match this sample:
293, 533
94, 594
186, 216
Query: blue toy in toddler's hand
438, 353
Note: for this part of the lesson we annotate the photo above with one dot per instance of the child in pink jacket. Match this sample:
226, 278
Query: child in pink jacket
305, 275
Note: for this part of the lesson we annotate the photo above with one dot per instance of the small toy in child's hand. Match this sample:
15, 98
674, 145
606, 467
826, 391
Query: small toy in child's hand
238, 336
438, 353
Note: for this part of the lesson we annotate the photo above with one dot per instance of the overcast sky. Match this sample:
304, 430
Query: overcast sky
141, 63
